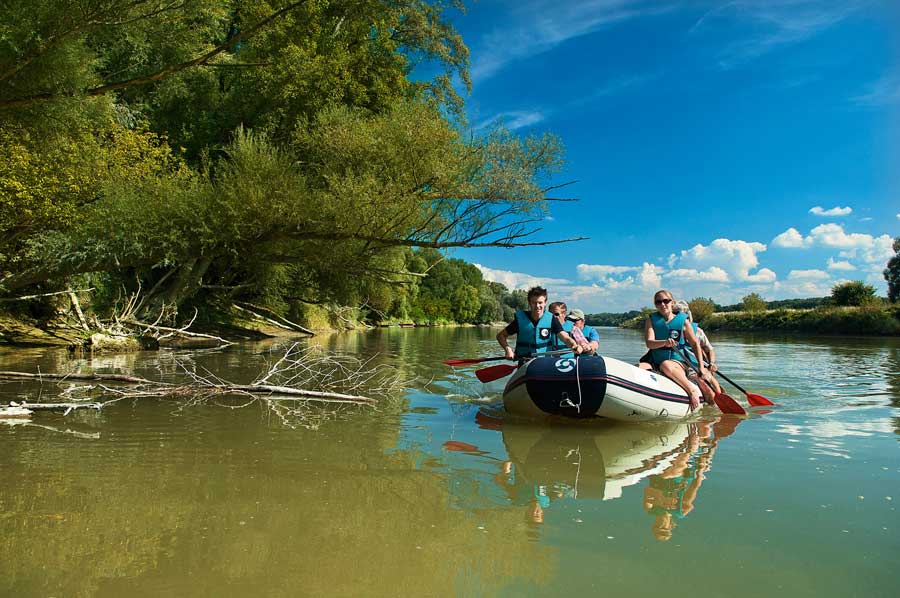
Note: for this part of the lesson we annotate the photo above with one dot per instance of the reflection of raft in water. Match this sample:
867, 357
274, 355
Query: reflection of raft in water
593, 461
591, 387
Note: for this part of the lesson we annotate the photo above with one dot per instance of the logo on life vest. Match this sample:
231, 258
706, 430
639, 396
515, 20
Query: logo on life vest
565, 365
674, 334
545, 333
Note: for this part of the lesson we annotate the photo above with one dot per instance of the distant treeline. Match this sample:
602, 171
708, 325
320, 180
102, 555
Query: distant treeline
617, 319
610, 319
809, 303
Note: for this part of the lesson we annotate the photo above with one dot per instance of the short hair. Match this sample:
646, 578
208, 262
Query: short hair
557, 305
535, 292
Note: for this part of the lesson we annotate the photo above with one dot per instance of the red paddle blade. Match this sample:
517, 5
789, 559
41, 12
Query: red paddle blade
495, 372
727, 404
461, 361
758, 400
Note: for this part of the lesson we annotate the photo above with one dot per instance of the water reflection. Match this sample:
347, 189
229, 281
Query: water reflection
547, 466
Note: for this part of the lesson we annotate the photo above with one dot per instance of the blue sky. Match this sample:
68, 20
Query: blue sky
721, 148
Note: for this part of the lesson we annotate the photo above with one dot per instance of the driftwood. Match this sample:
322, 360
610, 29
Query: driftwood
175, 331
55, 406
91, 377
280, 320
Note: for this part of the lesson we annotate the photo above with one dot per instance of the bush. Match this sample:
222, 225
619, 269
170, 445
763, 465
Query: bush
853, 293
753, 303
701, 308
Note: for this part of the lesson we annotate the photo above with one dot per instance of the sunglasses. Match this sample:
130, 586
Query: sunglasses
663, 301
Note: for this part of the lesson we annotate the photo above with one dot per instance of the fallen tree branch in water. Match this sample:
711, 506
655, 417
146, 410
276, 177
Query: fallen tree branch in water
299, 376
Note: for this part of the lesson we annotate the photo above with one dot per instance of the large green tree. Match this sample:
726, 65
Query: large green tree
269, 150
892, 273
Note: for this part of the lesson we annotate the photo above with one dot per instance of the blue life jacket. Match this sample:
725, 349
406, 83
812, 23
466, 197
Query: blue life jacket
533, 338
557, 343
590, 334
688, 349
664, 330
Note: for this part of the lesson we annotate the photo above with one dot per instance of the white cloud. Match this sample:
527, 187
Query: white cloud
898, 216
842, 265
808, 275
835, 211
737, 258
600, 271
833, 236
789, 238
538, 26
769, 25
649, 277
517, 280
513, 119
876, 250
714, 274
883, 92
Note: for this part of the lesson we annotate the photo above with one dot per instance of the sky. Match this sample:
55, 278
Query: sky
719, 148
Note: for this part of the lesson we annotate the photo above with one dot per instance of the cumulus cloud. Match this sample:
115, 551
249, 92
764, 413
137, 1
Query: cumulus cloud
835, 211
714, 274
842, 265
808, 275
737, 258
600, 271
517, 280
789, 238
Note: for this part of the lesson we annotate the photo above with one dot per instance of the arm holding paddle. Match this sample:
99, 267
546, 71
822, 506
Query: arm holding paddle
503, 339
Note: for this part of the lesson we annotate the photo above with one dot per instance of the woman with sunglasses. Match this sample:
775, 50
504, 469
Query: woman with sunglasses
666, 334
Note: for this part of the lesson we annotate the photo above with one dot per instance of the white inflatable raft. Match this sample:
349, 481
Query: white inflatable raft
592, 387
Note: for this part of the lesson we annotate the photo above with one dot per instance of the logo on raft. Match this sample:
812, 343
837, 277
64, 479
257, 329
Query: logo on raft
565, 365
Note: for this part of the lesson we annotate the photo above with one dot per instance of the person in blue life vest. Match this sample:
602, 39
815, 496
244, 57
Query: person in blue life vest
581, 330
559, 310
666, 334
709, 352
534, 329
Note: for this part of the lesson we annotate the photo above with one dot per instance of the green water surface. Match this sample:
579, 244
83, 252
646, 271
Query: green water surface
437, 493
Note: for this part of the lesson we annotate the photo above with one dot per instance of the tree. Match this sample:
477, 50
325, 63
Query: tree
753, 303
855, 292
701, 308
892, 273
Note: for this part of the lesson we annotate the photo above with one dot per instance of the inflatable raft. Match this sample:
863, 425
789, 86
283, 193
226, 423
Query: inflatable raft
592, 386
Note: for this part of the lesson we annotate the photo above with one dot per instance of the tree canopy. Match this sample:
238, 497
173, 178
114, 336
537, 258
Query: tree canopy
276, 151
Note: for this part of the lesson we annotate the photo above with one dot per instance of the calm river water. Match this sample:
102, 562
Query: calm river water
435, 493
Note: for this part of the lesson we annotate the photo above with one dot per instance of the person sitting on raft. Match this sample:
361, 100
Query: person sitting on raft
534, 329
709, 352
558, 309
583, 334
666, 334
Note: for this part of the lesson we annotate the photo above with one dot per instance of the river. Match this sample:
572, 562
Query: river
436, 493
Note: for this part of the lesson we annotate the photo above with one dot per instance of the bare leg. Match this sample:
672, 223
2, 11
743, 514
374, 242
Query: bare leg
674, 370
645, 366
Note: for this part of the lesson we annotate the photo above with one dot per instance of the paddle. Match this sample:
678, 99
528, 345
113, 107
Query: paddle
472, 361
494, 372
754, 399
723, 401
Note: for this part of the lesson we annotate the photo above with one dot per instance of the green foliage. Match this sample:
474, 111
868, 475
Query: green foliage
853, 293
610, 319
869, 320
299, 166
701, 308
892, 273
753, 303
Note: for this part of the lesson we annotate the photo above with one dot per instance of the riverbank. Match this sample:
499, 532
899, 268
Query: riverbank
870, 320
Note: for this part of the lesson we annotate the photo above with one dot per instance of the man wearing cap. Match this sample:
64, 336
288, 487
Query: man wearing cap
584, 335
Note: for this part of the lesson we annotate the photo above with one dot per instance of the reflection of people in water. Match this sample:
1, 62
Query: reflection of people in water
670, 495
